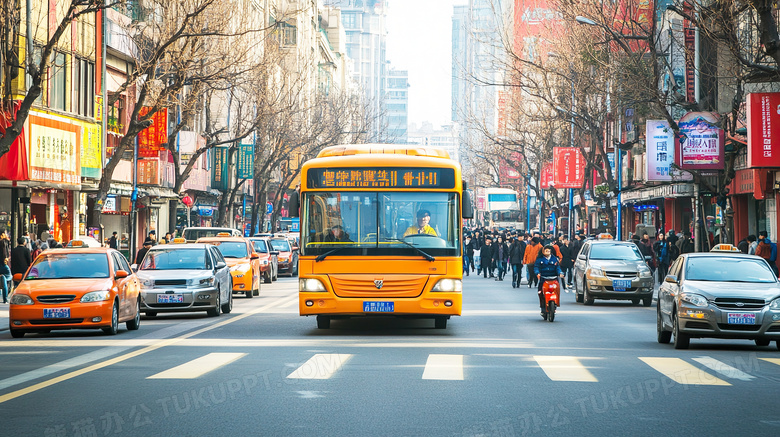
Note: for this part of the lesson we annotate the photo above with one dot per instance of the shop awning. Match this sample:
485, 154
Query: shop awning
658, 192
125, 189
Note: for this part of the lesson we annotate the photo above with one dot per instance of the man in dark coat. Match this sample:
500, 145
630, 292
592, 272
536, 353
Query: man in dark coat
142, 253
487, 257
20, 258
567, 260
113, 242
516, 252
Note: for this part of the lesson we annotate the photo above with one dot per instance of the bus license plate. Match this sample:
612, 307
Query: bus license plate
378, 307
621, 284
170, 298
741, 318
56, 313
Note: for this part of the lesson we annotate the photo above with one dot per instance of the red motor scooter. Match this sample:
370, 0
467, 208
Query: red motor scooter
551, 290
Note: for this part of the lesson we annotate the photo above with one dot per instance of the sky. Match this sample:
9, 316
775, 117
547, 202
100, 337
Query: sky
419, 40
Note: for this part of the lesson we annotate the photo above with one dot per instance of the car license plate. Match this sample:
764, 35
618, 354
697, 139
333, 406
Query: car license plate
741, 318
56, 313
170, 298
621, 284
378, 307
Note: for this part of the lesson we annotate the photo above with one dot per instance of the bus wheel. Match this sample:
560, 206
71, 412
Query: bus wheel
440, 322
323, 322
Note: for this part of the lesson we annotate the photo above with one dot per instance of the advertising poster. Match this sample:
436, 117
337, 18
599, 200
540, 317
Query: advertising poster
153, 139
547, 176
220, 176
763, 123
91, 139
54, 150
568, 167
660, 153
246, 161
701, 143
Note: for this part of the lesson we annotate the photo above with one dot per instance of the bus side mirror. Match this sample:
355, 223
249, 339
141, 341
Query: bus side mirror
467, 207
293, 205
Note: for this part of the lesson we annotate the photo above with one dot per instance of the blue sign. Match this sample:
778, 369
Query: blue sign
205, 211
269, 208
296, 225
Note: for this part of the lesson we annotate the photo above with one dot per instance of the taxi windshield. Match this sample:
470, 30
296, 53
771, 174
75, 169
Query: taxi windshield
175, 259
260, 246
731, 269
281, 245
70, 265
232, 249
617, 252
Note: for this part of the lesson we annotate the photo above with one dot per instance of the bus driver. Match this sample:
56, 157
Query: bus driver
423, 218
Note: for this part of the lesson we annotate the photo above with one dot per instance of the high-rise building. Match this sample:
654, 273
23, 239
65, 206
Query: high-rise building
460, 40
397, 106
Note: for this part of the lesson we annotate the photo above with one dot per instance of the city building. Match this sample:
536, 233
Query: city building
397, 106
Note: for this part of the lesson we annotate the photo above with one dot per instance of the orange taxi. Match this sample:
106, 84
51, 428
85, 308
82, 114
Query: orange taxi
244, 262
76, 288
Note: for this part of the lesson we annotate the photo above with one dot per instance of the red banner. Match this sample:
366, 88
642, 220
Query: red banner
568, 167
153, 139
763, 123
547, 176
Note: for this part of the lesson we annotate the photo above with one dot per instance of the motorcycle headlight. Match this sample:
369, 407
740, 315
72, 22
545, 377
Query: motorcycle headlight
775, 304
310, 284
694, 299
21, 299
96, 296
447, 284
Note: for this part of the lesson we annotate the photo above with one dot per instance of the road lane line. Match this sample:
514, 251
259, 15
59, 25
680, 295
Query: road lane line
444, 367
682, 372
320, 366
724, 369
565, 369
162, 343
771, 360
199, 366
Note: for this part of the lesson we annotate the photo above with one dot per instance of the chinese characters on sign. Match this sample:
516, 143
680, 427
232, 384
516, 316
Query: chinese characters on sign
660, 152
702, 143
763, 118
91, 139
568, 167
381, 178
547, 177
220, 175
153, 139
54, 150
246, 161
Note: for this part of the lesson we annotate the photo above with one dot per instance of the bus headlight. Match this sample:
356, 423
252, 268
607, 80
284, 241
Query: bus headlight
310, 285
447, 284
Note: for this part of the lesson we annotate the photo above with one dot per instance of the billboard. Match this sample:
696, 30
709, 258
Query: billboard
701, 142
568, 167
55, 144
246, 161
547, 176
660, 153
220, 175
154, 138
763, 123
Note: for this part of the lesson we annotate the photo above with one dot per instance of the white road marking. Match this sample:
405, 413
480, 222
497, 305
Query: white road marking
724, 369
199, 366
444, 367
564, 369
320, 366
682, 372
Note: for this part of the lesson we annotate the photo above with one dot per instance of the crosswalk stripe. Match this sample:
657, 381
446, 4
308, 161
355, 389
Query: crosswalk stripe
199, 366
564, 369
724, 369
771, 360
444, 367
682, 372
320, 366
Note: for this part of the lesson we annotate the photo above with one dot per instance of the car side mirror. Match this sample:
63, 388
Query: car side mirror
134, 267
121, 274
18, 277
254, 255
466, 207
274, 252
582, 257
221, 265
672, 279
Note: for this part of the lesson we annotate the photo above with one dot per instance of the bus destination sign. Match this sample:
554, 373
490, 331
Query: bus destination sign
389, 177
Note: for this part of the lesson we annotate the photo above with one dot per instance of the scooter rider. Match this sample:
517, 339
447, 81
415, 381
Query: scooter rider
547, 265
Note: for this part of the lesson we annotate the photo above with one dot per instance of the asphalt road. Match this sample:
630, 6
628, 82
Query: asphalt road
498, 370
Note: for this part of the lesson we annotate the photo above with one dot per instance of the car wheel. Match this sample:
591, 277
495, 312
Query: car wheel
16, 333
647, 301
112, 330
777, 343
762, 342
323, 322
440, 323
681, 341
150, 314
664, 336
267, 277
214, 312
577, 295
227, 307
294, 268
135, 323
276, 274
635, 301
587, 298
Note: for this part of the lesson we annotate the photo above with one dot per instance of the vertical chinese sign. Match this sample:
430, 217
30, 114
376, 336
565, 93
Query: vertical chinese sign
219, 175
246, 161
568, 167
547, 176
153, 139
763, 122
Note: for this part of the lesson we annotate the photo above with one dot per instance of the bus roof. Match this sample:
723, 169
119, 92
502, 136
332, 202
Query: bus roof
383, 149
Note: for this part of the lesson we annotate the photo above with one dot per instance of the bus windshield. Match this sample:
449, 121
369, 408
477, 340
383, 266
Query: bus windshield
365, 223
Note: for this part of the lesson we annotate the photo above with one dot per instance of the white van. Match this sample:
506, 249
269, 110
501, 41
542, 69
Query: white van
192, 234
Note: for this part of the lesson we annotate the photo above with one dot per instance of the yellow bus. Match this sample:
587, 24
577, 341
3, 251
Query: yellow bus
381, 233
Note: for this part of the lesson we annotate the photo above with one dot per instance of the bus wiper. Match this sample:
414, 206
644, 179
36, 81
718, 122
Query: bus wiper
330, 252
424, 254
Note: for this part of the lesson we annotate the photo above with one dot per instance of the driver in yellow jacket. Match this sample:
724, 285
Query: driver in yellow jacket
423, 218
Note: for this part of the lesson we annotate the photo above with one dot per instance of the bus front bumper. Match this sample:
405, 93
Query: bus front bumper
430, 304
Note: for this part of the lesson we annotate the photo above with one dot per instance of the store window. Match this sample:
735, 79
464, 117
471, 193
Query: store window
84, 83
58, 82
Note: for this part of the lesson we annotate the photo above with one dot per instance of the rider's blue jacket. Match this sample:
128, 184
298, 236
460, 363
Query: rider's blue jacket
547, 267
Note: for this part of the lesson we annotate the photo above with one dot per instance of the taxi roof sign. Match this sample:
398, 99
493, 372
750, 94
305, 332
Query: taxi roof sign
724, 248
605, 236
223, 234
76, 243
179, 240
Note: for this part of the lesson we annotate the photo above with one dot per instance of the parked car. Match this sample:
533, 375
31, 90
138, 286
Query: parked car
192, 234
608, 269
78, 288
288, 256
269, 261
244, 262
183, 278
719, 295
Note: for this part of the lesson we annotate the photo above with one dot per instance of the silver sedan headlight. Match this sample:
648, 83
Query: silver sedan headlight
694, 299
775, 304
147, 283
645, 273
